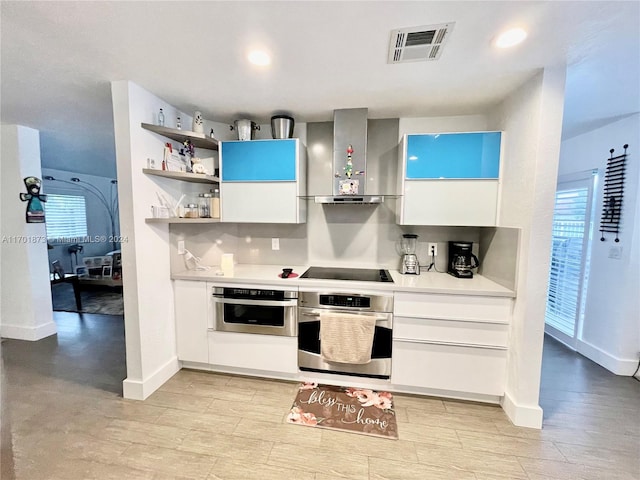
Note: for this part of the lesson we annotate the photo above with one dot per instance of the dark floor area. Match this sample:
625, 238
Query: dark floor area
89, 350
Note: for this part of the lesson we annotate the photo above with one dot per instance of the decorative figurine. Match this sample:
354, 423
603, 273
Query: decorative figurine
349, 186
35, 209
348, 169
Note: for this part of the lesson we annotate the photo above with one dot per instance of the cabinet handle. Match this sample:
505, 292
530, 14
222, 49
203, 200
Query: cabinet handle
260, 303
451, 344
451, 319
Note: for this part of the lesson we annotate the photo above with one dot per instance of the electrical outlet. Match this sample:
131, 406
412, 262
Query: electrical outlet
275, 244
181, 249
615, 252
432, 249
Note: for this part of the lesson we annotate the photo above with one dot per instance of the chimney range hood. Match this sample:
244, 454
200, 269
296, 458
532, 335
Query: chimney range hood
349, 160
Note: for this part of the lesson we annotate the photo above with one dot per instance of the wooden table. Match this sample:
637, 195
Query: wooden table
73, 280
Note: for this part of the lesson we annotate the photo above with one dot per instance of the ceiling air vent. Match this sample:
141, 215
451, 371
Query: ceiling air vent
418, 44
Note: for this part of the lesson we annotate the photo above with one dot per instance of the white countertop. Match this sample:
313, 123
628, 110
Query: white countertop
429, 282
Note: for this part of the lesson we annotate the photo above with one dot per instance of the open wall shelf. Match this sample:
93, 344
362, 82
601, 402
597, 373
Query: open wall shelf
181, 220
199, 140
184, 176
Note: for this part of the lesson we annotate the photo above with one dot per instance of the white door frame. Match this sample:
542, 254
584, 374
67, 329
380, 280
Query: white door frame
586, 179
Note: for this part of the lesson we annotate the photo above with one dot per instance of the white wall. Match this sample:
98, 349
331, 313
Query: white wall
459, 123
148, 294
611, 328
98, 220
532, 119
26, 311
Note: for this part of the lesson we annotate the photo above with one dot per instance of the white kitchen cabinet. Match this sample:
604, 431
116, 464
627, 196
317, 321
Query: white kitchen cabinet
453, 343
263, 181
266, 353
449, 179
192, 315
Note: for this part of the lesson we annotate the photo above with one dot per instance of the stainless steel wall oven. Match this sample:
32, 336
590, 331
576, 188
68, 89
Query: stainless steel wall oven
250, 310
312, 304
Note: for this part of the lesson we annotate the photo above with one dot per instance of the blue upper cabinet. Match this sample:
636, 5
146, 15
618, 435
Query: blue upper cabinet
453, 155
263, 181
258, 160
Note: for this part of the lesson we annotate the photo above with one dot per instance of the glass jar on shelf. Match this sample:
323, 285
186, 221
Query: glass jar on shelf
215, 203
205, 205
191, 210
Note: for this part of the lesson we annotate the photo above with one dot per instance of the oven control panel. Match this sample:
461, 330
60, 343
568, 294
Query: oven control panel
253, 294
345, 301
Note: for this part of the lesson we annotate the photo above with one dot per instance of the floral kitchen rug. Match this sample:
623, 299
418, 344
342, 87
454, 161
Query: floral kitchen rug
354, 410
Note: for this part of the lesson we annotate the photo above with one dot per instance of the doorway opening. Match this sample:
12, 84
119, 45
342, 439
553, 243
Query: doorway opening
572, 236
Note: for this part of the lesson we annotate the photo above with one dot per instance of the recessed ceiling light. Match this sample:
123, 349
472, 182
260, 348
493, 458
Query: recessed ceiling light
259, 57
510, 38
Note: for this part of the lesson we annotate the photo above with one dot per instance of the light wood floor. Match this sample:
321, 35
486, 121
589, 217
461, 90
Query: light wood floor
64, 418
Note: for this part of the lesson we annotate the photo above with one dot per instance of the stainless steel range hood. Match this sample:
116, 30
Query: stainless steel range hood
349, 160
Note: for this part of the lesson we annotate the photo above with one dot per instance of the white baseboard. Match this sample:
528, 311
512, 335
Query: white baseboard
522, 415
20, 332
619, 366
141, 389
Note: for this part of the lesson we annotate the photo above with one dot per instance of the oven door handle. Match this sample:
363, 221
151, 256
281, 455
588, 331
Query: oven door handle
314, 316
260, 303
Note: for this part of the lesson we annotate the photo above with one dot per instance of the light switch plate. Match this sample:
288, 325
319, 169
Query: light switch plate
275, 244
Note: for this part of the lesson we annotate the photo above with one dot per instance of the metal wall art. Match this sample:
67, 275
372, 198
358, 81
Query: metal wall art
35, 208
613, 194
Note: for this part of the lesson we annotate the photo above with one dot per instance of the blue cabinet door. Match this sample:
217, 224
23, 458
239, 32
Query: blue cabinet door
258, 160
453, 155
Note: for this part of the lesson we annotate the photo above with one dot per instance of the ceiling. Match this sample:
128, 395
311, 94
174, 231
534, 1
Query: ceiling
58, 59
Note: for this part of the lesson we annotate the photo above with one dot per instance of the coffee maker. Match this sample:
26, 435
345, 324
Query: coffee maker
409, 258
461, 260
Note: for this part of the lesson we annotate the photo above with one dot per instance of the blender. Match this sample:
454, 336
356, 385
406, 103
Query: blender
409, 259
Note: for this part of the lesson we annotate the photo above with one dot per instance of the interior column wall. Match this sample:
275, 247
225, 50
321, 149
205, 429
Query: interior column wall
148, 294
26, 310
532, 120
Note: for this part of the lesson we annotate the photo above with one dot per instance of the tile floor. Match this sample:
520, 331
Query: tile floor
64, 418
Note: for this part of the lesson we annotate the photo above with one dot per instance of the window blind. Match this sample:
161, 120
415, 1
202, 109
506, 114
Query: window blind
569, 229
66, 217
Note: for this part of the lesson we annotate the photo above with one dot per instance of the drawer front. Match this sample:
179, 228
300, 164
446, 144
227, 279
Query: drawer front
461, 307
446, 367
450, 202
257, 352
260, 203
451, 331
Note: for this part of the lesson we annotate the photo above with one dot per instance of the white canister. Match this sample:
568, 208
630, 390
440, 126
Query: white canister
159, 212
198, 125
226, 264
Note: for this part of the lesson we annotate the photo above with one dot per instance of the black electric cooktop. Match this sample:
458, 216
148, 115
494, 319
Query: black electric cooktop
355, 274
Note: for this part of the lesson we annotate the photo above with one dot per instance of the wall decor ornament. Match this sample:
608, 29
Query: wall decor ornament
34, 199
613, 194
349, 186
198, 125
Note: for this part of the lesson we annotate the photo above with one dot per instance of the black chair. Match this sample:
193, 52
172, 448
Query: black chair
58, 276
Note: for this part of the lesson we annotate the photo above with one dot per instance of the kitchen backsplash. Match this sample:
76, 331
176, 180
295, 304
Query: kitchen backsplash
367, 237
